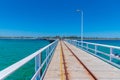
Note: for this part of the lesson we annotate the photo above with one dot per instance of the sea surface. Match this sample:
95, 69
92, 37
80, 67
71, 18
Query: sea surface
13, 50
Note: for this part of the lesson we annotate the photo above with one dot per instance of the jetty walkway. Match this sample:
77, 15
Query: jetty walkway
72, 60
72, 63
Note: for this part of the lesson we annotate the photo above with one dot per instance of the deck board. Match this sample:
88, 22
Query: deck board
101, 69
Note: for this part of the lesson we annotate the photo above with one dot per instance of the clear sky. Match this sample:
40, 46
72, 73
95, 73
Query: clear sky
59, 17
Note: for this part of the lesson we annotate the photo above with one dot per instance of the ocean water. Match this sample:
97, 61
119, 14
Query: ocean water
13, 50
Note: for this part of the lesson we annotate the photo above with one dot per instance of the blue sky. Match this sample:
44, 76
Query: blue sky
59, 17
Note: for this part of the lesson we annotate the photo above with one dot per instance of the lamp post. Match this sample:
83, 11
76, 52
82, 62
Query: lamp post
81, 25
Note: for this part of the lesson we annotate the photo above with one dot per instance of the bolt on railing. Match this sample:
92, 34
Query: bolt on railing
114, 57
38, 65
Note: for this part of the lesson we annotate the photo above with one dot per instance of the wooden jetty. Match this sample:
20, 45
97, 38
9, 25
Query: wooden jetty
72, 63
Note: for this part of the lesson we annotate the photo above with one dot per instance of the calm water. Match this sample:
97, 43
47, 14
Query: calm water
12, 51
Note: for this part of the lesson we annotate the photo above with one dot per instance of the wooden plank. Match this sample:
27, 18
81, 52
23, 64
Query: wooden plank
53, 71
101, 69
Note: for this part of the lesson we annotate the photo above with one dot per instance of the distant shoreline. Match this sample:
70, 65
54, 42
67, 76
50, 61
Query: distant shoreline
58, 37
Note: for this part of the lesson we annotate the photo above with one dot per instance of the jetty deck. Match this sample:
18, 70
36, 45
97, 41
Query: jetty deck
72, 63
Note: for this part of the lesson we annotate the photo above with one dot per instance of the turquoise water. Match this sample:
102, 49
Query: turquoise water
14, 50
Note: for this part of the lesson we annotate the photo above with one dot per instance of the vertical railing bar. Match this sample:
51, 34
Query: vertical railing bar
87, 46
51, 55
47, 52
95, 49
81, 44
36, 55
36, 59
111, 51
37, 65
77, 44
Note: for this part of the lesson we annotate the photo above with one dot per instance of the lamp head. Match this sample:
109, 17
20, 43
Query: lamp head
78, 10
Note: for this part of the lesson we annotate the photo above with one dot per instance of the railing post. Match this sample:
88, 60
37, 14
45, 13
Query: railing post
37, 65
77, 44
47, 52
87, 46
95, 49
72, 42
81, 44
111, 50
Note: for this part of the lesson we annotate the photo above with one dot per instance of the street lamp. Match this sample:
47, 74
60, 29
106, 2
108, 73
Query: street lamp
81, 25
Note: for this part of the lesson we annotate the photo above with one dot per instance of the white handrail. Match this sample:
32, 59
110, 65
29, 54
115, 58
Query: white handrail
7, 71
111, 55
104, 45
34, 76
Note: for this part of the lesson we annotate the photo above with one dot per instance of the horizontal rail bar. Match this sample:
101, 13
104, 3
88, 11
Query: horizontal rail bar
9, 70
111, 55
97, 51
102, 45
109, 46
33, 78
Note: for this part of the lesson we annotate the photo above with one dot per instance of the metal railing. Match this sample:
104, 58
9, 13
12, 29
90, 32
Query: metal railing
108, 53
49, 49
